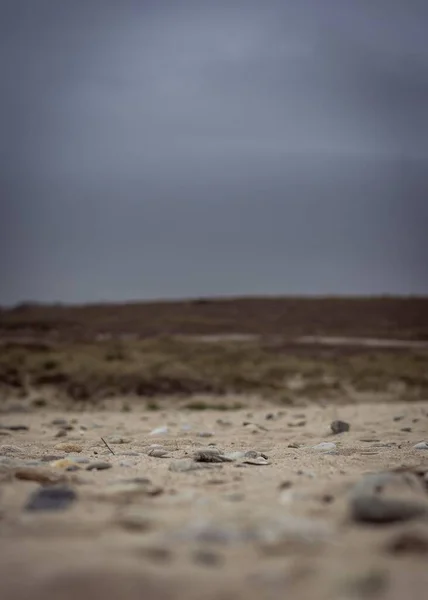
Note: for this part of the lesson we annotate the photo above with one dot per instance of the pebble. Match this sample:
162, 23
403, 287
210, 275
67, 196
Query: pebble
68, 447
61, 433
15, 427
204, 434
388, 498
256, 461
134, 519
40, 474
406, 429
339, 427
62, 463
207, 558
159, 430
326, 447
99, 466
408, 542
158, 453
210, 455
59, 422
51, 498
421, 446
118, 440
128, 491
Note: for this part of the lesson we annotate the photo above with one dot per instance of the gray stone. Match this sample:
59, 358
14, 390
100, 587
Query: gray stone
210, 455
421, 446
51, 498
388, 498
99, 466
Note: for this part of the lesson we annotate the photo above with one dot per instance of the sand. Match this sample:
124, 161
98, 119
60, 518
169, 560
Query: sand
233, 530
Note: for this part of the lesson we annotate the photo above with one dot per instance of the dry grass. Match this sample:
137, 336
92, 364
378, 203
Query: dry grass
404, 318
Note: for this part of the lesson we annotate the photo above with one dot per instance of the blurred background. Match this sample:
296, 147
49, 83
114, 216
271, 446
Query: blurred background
164, 149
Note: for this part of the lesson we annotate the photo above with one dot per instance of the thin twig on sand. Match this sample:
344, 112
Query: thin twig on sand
108, 446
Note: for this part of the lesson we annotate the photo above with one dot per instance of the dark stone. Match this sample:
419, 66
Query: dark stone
56, 497
99, 466
339, 427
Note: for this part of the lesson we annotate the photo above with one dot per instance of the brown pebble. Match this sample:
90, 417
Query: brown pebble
39, 474
68, 447
408, 542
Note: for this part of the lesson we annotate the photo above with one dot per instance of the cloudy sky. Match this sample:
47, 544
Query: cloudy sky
175, 148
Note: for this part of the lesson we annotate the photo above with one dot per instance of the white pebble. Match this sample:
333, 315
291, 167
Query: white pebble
159, 430
325, 447
421, 446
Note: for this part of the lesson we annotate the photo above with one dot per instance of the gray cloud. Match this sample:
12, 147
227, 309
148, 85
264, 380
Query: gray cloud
174, 149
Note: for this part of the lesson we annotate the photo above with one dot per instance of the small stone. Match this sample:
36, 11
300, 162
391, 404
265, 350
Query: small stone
61, 433
207, 558
204, 434
339, 427
51, 498
63, 463
134, 519
68, 447
408, 542
270, 417
211, 455
158, 453
99, 466
59, 422
39, 474
126, 492
293, 445
421, 446
326, 447
256, 461
388, 498
118, 440
15, 427
163, 430
406, 429
399, 417
285, 485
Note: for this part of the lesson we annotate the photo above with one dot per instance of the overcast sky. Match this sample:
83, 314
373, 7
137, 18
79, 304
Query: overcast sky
170, 148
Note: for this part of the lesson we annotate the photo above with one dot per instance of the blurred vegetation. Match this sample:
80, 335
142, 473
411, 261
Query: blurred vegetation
165, 366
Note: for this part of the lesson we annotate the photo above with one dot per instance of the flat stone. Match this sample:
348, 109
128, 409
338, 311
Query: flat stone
127, 492
118, 440
388, 498
163, 430
99, 466
40, 474
421, 446
158, 453
210, 455
408, 542
51, 498
15, 427
325, 447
